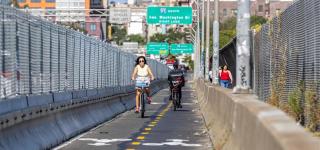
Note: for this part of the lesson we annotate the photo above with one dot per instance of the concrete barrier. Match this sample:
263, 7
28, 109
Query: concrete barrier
13, 104
38, 100
242, 122
45, 124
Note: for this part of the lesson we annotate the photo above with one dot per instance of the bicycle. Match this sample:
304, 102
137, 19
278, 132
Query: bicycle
141, 87
175, 94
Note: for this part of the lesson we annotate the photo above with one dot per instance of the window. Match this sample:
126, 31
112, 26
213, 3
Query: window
93, 27
225, 13
278, 11
35, 1
50, 1
260, 9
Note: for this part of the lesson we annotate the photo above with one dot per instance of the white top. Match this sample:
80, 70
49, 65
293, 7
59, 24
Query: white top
142, 72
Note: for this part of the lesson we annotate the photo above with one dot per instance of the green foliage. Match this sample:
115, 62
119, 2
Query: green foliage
119, 34
312, 110
158, 37
189, 61
228, 28
257, 20
294, 101
74, 26
172, 36
14, 3
136, 38
226, 36
229, 24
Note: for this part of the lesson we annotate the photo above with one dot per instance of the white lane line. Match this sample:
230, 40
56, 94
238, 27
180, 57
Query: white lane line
157, 103
173, 142
103, 142
83, 134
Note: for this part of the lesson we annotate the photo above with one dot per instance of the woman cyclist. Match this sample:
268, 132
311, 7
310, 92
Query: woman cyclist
142, 72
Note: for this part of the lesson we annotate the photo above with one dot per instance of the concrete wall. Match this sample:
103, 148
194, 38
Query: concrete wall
241, 122
45, 125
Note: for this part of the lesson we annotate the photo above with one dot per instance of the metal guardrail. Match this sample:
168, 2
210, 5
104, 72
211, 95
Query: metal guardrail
40, 57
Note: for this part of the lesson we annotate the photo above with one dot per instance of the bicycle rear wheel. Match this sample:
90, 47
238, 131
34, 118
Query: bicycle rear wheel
142, 105
175, 100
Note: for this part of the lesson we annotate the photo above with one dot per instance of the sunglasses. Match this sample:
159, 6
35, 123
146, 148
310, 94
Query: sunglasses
141, 60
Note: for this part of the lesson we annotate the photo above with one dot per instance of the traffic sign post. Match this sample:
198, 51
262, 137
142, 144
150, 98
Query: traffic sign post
158, 48
181, 49
169, 15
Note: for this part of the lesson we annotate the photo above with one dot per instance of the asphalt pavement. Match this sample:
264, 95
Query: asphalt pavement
161, 129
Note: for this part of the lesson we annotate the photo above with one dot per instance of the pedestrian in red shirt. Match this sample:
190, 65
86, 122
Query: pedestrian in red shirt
225, 77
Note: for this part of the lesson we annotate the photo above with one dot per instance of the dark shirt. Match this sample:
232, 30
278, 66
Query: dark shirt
174, 75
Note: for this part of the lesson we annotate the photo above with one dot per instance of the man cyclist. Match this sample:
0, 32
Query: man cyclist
176, 75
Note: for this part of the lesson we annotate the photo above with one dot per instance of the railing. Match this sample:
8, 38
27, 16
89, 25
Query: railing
40, 57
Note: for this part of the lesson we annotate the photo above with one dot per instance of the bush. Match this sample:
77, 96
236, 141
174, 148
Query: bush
294, 100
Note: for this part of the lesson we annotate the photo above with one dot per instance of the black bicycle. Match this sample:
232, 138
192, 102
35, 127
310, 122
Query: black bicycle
175, 94
141, 88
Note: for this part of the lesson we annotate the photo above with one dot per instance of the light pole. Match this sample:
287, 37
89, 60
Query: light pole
215, 56
207, 41
202, 39
243, 48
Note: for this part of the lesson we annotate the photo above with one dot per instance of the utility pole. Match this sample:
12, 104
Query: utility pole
197, 64
202, 39
243, 48
215, 57
207, 41
198, 43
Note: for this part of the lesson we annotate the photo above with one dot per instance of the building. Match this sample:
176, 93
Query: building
264, 8
39, 7
71, 10
80, 12
37, 4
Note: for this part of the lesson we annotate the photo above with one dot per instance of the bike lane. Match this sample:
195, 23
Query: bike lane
162, 128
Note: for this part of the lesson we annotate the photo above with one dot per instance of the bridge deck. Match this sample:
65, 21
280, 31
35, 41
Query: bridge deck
161, 129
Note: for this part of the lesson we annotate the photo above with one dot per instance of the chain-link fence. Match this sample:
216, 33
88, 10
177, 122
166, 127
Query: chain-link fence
287, 50
5, 2
38, 57
286, 54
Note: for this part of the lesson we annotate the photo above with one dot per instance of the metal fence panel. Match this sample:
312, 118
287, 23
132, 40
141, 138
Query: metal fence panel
70, 52
62, 59
23, 53
39, 57
9, 53
35, 54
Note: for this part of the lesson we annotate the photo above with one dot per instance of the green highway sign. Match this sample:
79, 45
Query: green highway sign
158, 48
169, 15
181, 49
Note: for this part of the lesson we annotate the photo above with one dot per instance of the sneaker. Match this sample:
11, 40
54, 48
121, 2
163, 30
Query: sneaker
149, 100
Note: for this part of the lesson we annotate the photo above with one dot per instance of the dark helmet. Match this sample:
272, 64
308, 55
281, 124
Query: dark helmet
176, 64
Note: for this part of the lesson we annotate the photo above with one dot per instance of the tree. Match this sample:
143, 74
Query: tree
75, 26
158, 37
14, 3
257, 20
189, 61
172, 36
119, 34
228, 28
136, 38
